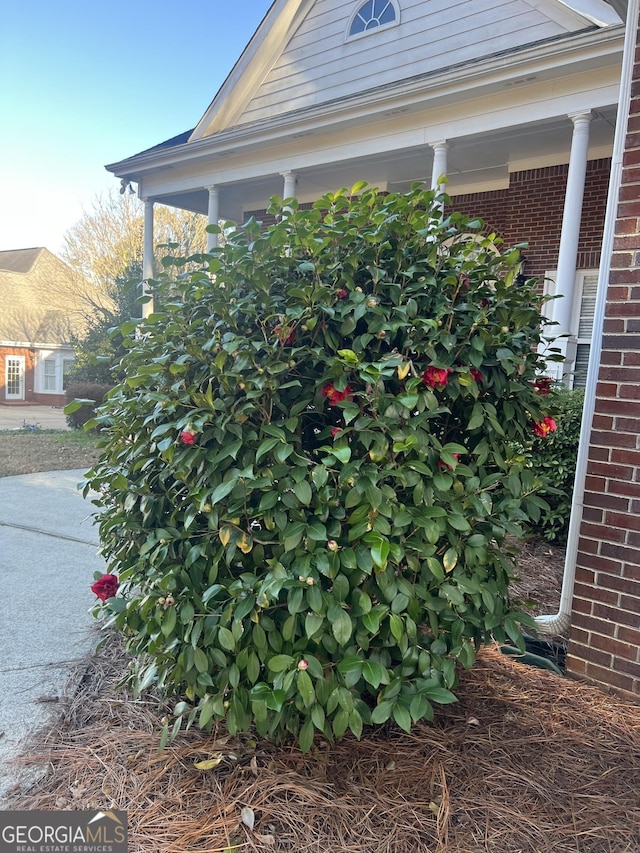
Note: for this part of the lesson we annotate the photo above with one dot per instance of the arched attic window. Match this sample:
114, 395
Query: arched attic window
371, 15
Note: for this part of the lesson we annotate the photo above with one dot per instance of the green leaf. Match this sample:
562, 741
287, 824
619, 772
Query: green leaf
302, 491
341, 628
439, 695
312, 624
396, 626
278, 663
382, 712
305, 738
343, 454
402, 717
305, 688
226, 639
200, 660
222, 491
373, 673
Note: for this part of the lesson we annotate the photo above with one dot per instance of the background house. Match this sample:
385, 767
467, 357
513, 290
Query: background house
516, 102
40, 312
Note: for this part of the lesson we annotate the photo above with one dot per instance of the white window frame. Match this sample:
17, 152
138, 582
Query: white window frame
51, 375
20, 360
379, 28
59, 358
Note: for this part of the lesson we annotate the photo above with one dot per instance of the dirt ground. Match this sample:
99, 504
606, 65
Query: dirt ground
30, 451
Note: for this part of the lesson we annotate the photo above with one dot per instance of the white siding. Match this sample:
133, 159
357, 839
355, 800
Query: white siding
320, 64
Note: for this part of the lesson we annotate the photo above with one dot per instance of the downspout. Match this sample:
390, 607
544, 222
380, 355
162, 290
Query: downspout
558, 623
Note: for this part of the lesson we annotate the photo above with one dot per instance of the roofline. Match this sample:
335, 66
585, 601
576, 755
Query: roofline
588, 43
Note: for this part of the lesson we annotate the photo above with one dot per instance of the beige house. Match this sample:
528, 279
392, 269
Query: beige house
39, 312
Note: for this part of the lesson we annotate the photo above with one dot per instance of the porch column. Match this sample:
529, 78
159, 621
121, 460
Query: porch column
439, 163
289, 189
213, 216
147, 255
569, 238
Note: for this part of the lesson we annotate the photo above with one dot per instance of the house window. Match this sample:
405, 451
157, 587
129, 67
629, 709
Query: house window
584, 313
371, 15
581, 322
67, 365
50, 374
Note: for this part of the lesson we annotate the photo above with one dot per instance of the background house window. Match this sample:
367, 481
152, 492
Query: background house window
67, 365
372, 14
49, 374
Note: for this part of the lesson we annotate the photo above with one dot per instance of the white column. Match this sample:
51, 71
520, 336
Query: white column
214, 216
569, 238
439, 163
289, 189
147, 254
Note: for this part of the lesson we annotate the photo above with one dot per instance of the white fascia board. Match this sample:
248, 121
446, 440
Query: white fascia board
598, 12
366, 106
255, 62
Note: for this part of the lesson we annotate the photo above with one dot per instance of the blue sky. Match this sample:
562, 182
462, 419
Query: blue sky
83, 84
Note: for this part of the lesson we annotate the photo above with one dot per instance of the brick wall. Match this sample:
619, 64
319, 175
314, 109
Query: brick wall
604, 645
530, 211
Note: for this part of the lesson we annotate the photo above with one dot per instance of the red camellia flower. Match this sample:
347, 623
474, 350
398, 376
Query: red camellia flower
543, 385
335, 431
287, 334
334, 396
187, 437
477, 375
544, 427
443, 464
105, 587
436, 377
342, 293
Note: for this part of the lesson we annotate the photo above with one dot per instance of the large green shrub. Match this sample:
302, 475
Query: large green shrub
554, 459
308, 475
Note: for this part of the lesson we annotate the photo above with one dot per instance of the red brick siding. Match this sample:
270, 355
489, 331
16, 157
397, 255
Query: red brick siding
604, 645
530, 211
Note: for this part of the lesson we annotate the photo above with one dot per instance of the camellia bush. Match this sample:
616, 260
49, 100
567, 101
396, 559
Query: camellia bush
308, 472
554, 458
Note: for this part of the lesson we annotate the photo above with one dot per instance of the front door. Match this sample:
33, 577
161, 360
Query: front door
14, 377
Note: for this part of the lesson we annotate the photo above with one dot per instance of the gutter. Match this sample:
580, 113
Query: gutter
558, 623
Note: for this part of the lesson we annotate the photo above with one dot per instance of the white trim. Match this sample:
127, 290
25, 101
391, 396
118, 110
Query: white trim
596, 11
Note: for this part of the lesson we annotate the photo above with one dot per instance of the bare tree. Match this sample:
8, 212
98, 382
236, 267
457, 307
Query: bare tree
108, 239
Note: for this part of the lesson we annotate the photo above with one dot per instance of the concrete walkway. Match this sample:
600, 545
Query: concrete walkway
48, 554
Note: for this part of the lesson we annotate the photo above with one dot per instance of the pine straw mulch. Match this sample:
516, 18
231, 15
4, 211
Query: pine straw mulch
526, 762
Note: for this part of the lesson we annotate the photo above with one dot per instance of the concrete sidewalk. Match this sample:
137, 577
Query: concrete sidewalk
48, 554
42, 417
